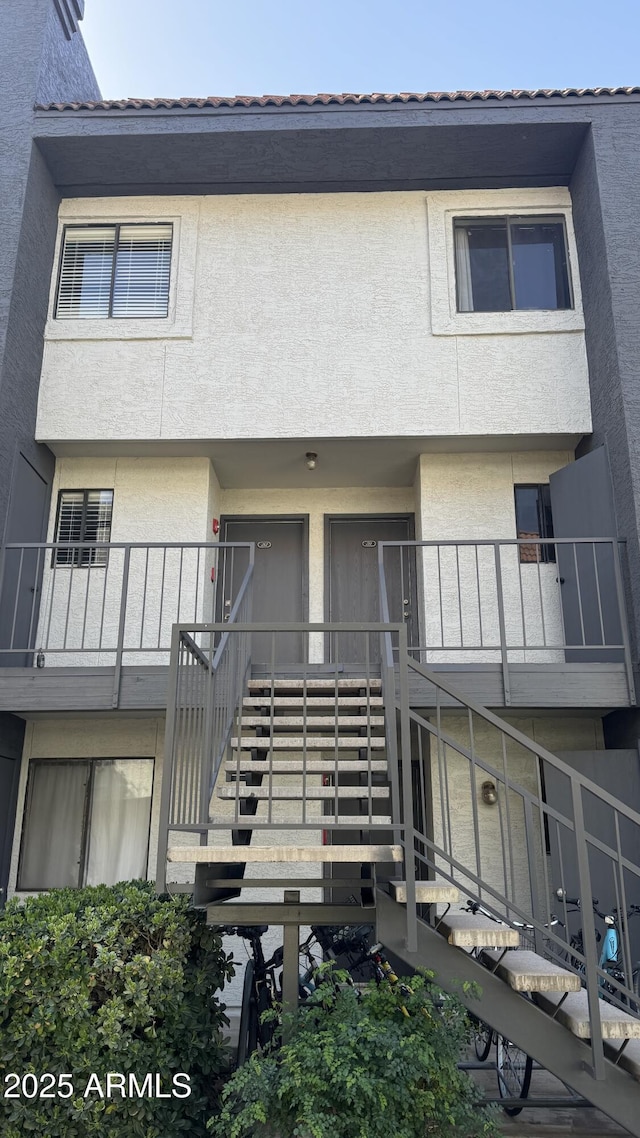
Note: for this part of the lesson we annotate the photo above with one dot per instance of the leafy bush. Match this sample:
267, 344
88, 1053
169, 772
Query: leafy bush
360, 1068
103, 980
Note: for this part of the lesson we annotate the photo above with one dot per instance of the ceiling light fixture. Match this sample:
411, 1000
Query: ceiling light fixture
311, 459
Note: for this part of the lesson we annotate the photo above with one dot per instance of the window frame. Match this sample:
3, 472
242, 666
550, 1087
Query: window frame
509, 220
545, 554
91, 762
76, 552
117, 226
442, 207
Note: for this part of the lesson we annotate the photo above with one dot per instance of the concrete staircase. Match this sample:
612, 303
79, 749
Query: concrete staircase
483, 963
304, 800
307, 756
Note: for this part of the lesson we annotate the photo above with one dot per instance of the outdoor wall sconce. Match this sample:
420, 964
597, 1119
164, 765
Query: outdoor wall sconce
489, 793
311, 459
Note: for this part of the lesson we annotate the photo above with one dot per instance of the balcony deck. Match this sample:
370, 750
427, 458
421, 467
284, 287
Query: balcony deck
512, 623
28, 691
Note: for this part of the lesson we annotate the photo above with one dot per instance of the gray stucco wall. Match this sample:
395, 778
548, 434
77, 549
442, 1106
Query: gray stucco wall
65, 69
606, 196
36, 61
36, 56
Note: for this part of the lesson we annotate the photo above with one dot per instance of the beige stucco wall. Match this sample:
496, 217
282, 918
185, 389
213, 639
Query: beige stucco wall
316, 315
471, 497
454, 497
453, 823
154, 501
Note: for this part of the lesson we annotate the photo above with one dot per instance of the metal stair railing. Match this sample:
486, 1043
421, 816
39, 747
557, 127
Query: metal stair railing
504, 854
207, 677
206, 700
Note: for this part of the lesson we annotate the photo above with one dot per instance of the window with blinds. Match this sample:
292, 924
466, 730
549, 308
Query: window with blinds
115, 271
83, 516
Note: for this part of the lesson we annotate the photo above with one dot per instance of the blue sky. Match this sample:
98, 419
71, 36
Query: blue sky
206, 47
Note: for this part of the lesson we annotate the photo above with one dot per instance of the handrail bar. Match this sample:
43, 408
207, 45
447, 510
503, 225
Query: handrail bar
529, 744
535, 540
128, 544
244, 587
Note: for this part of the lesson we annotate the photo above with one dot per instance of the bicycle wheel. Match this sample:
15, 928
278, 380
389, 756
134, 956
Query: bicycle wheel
248, 1031
514, 1068
482, 1039
266, 1031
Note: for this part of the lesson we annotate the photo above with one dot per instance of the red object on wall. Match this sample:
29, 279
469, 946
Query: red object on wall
215, 525
213, 572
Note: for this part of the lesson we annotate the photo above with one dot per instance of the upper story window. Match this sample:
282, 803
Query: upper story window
115, 271
511, 263
534, 519
83, 516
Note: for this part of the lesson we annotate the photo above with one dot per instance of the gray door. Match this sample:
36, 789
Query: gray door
353, 584
22, 575
279, 583
9, 768
582, 506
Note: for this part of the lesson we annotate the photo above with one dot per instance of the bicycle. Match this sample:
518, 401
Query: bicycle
259, 992
609, 960
262, 989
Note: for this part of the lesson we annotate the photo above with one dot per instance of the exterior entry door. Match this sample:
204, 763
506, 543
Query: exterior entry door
352, 580
279, 582
582, 507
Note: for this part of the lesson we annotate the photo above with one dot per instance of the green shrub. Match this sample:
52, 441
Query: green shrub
360, 1068
109, 980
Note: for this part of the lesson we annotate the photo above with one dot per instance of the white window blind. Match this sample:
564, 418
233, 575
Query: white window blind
83, 516
115, 271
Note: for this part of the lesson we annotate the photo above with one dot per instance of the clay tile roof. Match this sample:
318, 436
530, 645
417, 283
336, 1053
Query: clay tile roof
344, 99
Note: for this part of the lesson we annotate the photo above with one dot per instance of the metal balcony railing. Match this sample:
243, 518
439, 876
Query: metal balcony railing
508, 602
105, 604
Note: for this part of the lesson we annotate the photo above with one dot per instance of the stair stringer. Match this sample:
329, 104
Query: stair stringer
548, 1042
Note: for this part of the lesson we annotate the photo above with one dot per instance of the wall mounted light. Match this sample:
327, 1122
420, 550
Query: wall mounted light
311, 459
489, 793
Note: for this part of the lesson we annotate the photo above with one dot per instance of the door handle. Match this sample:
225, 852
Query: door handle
560, 580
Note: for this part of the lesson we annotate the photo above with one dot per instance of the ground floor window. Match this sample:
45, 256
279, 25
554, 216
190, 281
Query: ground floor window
86, 822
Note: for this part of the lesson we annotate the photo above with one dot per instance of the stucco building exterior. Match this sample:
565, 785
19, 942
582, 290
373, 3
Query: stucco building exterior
276, 321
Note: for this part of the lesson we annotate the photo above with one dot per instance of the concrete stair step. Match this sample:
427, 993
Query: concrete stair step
310, 766
310, 816
314, 701
355, 821
310, 743
427, 892
237, 855
471, 930
574, 1014
315, 684
324, 722
298, 793
525, 971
